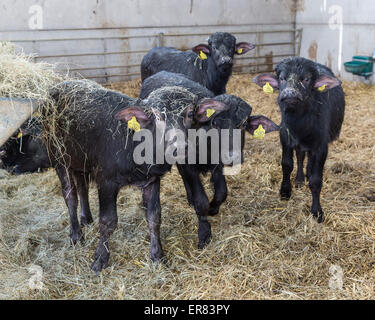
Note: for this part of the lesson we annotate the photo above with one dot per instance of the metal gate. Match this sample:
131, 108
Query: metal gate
116, 56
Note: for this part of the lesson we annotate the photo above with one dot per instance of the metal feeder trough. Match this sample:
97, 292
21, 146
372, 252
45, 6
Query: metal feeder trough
13, 113
360, 66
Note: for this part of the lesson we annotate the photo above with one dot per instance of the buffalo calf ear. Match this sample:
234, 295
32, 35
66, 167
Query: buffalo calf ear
243, 47
135, 117
207, 108
326, 82
22, 133
201, 47
262, 79
253, 123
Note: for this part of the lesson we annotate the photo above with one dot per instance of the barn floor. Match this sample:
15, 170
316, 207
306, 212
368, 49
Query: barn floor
262, 247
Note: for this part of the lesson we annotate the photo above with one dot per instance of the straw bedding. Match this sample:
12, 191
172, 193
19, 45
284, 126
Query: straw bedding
262, 247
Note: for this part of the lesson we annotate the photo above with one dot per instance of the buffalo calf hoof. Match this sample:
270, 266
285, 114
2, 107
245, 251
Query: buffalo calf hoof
159, 261
213, 211
100, 262
158, 257
204, 232
299, 183
318, 215
285, 191
285, 194
203, 243
204, 240
75, 237
86, 220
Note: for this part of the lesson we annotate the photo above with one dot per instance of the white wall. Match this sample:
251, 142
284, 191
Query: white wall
322, 36
71, 19
142, 13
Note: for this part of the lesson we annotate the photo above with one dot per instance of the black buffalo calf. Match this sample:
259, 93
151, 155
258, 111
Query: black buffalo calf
210, 65
25, 152
236, 116
92, 139
312, 105
94, 135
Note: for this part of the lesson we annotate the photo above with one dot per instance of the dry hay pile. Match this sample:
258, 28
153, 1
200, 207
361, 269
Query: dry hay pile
262, 247
20, 78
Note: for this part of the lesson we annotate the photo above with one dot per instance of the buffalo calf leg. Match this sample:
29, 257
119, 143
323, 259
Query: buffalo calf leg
189, 192
200, 202
204, 232
107, 223
69, 192
201, 206
83, 192
221, 191
287, 167
316, 181
300, 177
195, 189
151, 200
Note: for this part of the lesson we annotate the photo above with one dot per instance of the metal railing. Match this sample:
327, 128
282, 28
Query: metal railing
256, 60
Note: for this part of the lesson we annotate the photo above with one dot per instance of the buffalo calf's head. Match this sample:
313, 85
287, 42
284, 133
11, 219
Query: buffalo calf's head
297, 80
224, 115
24, 153
222, 47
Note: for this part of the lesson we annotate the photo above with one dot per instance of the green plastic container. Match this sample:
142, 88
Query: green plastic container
361, 66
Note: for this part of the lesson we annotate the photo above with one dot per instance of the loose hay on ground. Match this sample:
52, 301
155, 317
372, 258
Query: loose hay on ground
262, 248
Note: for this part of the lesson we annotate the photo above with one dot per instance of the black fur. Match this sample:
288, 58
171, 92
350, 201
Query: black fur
311, 119
25, 153
238, 116
213, 72
167, 79
92, 141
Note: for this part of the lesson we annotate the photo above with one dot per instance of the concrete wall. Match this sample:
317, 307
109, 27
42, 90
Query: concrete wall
325, 41
84, 30
91, 35
143, 13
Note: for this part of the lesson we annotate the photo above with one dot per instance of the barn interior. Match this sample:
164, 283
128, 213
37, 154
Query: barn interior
262, 247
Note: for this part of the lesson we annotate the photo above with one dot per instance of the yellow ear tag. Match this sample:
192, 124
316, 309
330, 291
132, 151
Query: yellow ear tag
267, 88
259, 133
202, 55
210, 112
322, 88
134, 124
19, 135
239, 51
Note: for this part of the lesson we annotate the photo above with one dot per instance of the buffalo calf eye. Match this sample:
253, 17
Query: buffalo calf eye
190, 114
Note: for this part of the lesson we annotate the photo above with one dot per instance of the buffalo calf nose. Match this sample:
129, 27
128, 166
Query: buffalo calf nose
290, 100
226, 60
290, 95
